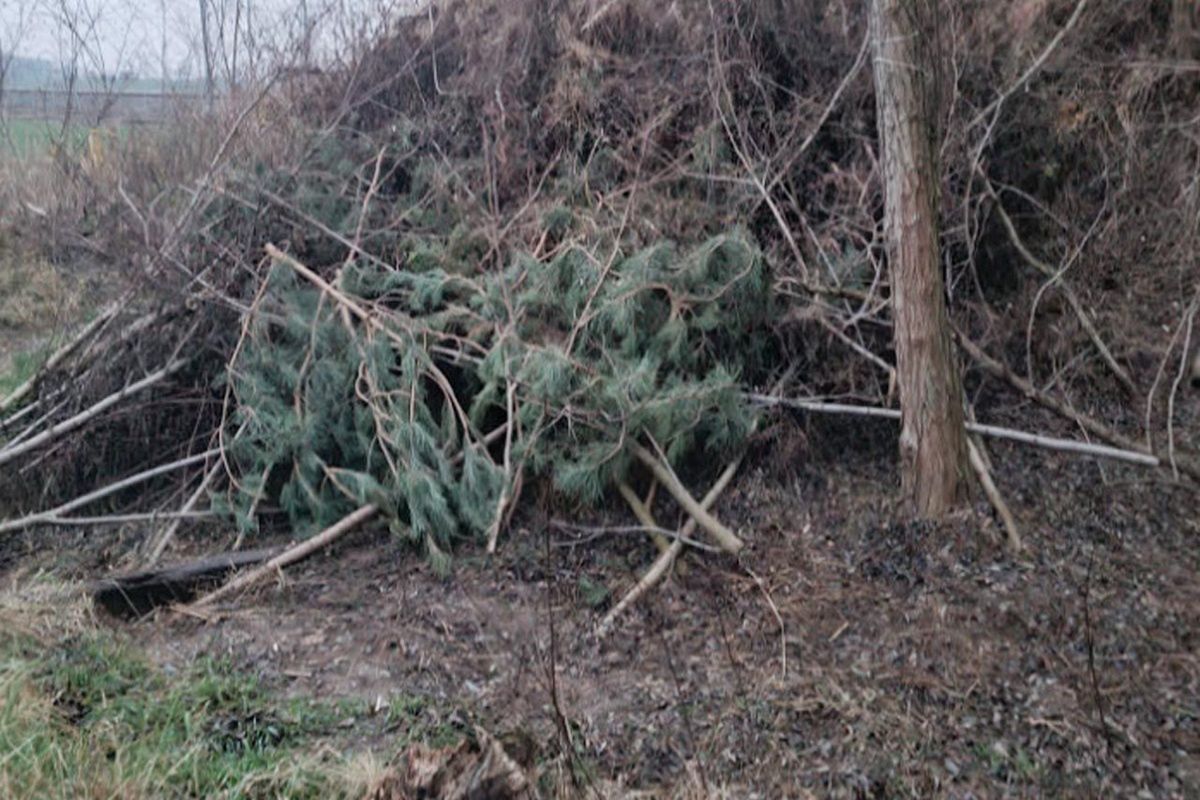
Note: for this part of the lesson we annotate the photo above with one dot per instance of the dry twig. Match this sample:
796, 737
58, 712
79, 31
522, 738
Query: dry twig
713, 526
665, 559
291, 555
83, 417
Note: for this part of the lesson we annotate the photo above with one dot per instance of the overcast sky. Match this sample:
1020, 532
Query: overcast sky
130, 34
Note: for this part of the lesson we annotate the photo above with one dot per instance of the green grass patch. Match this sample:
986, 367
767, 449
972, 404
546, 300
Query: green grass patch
22, 368
26, 138
95, 720
89, 717
30, 137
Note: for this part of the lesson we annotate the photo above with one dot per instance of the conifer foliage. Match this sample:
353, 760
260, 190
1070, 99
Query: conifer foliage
436, 395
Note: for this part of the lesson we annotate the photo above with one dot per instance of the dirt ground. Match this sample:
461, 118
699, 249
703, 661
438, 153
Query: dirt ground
921, 660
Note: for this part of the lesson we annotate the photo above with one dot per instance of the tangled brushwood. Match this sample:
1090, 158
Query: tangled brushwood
556, 243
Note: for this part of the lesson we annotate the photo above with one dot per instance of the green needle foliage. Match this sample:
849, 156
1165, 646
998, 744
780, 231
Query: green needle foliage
388, 391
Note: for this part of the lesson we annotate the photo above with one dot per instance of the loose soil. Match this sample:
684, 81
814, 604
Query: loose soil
921, 660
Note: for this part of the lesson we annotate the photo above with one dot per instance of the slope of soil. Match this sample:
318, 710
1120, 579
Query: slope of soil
920, 660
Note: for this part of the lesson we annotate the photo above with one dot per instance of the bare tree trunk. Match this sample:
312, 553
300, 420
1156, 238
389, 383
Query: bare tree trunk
933, 444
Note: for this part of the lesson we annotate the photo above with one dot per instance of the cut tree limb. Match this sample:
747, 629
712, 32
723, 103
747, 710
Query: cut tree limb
292, 555
122, 519
1131, 454
53, 516
59, 355
90, 413
711, 525
1136, 451
665, 559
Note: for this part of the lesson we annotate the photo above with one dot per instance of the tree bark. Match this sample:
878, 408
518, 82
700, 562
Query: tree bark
935, 470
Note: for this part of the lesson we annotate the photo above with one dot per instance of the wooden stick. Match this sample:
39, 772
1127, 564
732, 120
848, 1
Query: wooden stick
1133, 455
993, 495
724, 537
52, 516
665, 559
643, 515
168, 534
1092, 426
60, 355
90, 413
121, 519
291, 555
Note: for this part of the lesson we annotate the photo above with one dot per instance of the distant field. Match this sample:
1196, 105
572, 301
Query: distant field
27, 137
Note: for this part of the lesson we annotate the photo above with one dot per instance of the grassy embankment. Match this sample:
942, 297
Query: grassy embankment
84, 714
38, 303
27, 137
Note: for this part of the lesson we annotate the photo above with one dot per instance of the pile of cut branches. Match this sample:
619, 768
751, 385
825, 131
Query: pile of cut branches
433, 305
558, 242
436, 396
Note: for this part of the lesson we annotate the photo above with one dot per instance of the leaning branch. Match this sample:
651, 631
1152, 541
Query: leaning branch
1129, 453
1092, 426
993, 495
124, 519
90, 413
291, 555
713, 526
53, 515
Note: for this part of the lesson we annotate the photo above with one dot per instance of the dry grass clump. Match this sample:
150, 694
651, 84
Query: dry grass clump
44, 608
36, 296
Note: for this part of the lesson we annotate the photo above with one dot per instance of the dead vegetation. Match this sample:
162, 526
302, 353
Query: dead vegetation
513, 259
